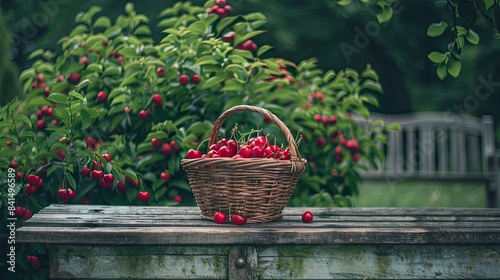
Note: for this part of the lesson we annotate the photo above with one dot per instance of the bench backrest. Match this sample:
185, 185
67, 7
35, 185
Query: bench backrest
436, 145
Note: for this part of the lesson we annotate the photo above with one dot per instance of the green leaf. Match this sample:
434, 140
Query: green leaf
207, 59
58, 98
27, 134
149, 159
233, 85
247, 36
93, 112
386, 13
112, 31
36, 53
132, 78
157, 134
83, 83
102, 22
454, 67
197, 27
472, 37
224, 23
27, 74
261, 87
76, 95
61, 113
371, 85
112, 71
441, 71
71, 181
437, 57
215, 80
24, 119
436, 29
86, 119
142, 30
488, 4
263, 49
254, 17
393, 127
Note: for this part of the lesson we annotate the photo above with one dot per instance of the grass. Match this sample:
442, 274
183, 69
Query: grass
420, 194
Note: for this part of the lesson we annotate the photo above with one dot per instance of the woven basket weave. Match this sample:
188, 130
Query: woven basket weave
256, 188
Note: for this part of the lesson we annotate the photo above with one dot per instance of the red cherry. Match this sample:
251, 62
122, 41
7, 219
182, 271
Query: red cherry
160, 71
246, 151
144, 114
107, 157
332, 120
41, 125
73, 78
157, 100
85, 200
195, 79
355, 157
261, 141
60, 78
192, 154
307, 217
39, 78
21, 175
229, 37
238, 220
231, 144
63, 194
174, 145
97, 174
34, 180
257, 152
183, 80
102, 97
71, 194
121, 187
28, 259
220, 217
177, 198
8, 143
214, 147
166, 148
338, 158
156, 142
224, 151
61, 154
108, 179
320, 141
28, 216
342, 141
220, 2
30, 189
84, 60
143, 196
49, 112
165, 176
352, 145
105, 185
13, 164
20, 211
85, 172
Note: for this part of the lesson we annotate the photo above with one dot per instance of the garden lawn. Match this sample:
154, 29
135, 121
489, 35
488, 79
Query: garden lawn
420, 194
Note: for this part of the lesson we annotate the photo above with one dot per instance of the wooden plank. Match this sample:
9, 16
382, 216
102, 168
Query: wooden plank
457, 151
379, 262
242, 263
327, 211
256, 235
138, 262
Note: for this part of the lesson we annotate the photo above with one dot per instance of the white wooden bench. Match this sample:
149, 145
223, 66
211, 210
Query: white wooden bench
440, 146
132, 242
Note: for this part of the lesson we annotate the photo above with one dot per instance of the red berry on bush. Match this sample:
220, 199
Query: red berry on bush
73, 78
30, 189
108, 179
20, 211
220, 2
71, 194
41, 125
143, 196
28, 216
157, 100
166, 149
13, 164
195, 79
156, 142
107, 157
97, 174
165, 176
34, 180
144, 114
229, 37
183, 80
61, 154
177, 198
320, 141
220, 217
8, 143
102, 97
121, 187
160, 71
63, 194
84, 60
85, 172
174, 145
39, 78
307, 217
355, 157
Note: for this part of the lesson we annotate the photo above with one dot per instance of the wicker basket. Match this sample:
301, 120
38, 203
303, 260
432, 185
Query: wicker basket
257, 188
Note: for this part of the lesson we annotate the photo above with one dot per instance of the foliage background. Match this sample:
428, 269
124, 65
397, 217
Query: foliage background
300, 30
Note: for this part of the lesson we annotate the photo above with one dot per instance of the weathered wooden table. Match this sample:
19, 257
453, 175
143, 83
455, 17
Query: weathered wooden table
108, 242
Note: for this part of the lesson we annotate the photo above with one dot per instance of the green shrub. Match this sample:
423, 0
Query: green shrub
97, 103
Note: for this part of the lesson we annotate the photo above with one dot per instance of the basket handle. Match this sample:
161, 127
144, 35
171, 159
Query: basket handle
297, 163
